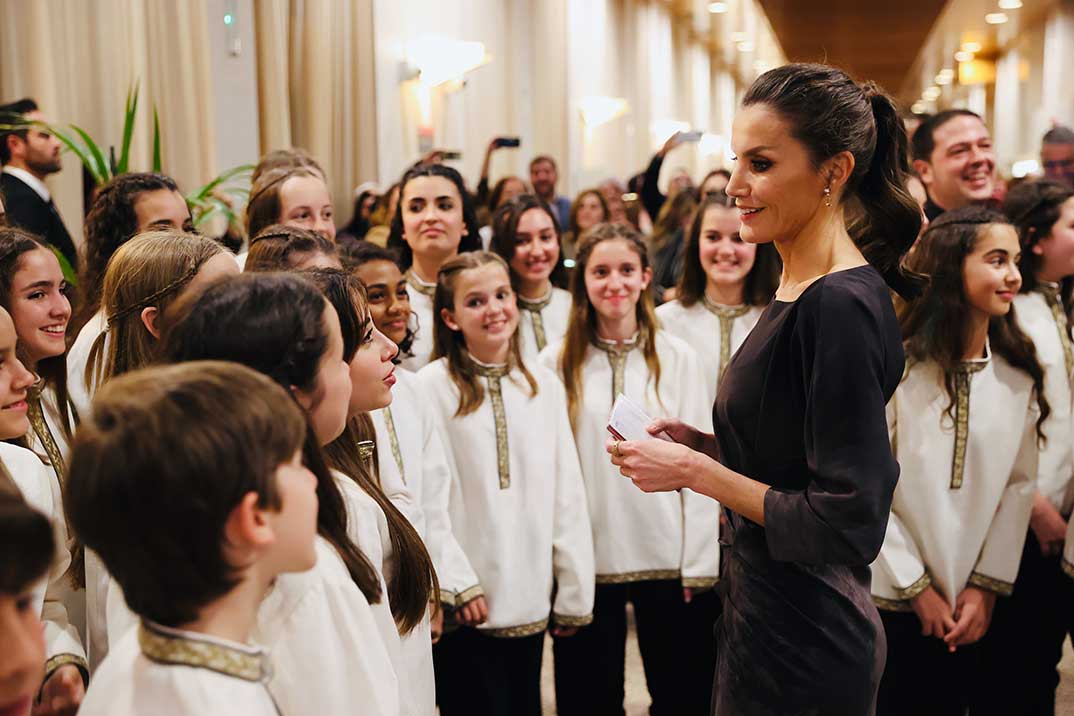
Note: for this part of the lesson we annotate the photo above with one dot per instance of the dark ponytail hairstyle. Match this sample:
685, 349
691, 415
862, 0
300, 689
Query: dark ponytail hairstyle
273, 323
412, 584
830, 113
471, 241
935, 326
1033, 208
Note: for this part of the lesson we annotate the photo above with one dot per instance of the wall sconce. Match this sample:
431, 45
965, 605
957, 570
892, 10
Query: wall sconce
597, 110
434, 61
661, 129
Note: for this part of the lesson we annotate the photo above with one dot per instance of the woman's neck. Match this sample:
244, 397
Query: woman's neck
426, 267
233, 615
617, 330
724, 294
976, 336
489, 353
821, 247
534, 290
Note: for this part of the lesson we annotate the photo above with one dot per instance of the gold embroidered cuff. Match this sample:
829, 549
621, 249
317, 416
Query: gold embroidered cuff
892, 605
1068, 568
914, 589
518, 631
447, 597
467, 594
700, 583
641, 576
566, 621
63, 660
990, 584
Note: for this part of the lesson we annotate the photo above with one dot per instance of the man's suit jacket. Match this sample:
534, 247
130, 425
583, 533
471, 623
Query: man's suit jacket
27, 210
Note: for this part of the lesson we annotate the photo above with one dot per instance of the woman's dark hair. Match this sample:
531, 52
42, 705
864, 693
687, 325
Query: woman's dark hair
1033, 207
358, 226
53, 371
762, 280
471, 241
935, 325
412, 583
27, 544
274, 247
364, 252
829, 113
159, 465
110, 223
670, 219
505, 231
576, 205
273, 323
497, 191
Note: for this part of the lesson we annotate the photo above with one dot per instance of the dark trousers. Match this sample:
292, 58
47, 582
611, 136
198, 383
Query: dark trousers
1023, 646
678, 651
922, 677
482, 675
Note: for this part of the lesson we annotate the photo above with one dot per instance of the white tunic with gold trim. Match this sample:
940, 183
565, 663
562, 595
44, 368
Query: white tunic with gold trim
636, 535
517, 499
715, 332
542, 322
961, 508
421, 305
78, 357
167, 672
410, 448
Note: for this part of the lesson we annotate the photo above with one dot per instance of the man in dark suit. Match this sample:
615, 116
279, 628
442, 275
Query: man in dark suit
28, 156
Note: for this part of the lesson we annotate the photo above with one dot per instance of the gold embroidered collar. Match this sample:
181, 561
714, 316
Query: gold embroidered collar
718, 309
535, 305
491, 370
618, 347
426, 289
172, 646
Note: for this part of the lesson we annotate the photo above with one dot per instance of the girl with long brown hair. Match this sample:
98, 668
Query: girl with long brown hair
517, 503
653, 551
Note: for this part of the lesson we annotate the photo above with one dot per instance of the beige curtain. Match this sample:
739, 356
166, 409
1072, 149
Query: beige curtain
316, 87
78, 58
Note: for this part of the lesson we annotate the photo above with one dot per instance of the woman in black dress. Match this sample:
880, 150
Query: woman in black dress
800, 458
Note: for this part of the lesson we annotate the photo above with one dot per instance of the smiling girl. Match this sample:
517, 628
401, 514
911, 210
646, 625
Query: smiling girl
517, 502
651, 550
433, 222
1025, 642
525, 234
965, 424
725, 285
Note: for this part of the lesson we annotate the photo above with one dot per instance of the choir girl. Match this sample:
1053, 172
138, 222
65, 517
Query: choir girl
280, 247
296, 196
517, 503
145, 276
410, 441
330, 627
651, 550
526, 235
725, 285
382, 530
23, 472
965, 425
27, 549
434, 220
1025, 642
213, 445
588, 209
124, 207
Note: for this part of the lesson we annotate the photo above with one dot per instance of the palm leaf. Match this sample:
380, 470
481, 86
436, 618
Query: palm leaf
83, 156
157, 164
95, 152
130, 108
226, 176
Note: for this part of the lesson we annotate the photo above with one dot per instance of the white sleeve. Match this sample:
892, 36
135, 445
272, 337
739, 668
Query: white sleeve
572, 538
701, 515
1001, 554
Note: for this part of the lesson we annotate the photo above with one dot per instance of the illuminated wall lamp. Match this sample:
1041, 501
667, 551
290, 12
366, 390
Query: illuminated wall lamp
597, 110
996, 18
1010, 4
717, 8
963, 56
971, 47
441, 60
745, 47
945, 77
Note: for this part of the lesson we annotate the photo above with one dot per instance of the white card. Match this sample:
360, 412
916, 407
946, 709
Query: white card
629, 420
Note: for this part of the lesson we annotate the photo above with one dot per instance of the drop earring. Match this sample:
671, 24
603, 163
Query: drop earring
828, 196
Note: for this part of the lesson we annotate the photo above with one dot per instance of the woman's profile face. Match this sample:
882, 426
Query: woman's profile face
774, 181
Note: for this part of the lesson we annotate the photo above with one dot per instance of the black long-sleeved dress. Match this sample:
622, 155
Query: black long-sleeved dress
801, 408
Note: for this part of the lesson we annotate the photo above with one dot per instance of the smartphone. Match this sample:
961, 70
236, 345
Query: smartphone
508, 142
691, 136
450, 155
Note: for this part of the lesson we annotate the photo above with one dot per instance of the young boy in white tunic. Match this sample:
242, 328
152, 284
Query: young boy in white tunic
518, 503
965, 425
725, 285
525, 234
214, 445
658, 552
1025, 642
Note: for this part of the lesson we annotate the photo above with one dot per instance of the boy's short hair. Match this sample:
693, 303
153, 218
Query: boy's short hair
157, 468
27, 544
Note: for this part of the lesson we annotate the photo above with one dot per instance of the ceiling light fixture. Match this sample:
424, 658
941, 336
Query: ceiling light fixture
971, 47
738, 37
1010, 4
996, 18
963, 56
745, 47
717, 8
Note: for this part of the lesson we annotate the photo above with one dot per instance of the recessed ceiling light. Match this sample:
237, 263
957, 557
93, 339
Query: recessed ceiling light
717, 8
971, 46
996, 18
1010, 4
963, 56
